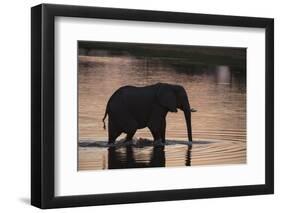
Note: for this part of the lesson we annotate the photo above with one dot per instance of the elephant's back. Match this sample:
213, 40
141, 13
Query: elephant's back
137, 95
137, 101
118, 98
121, 93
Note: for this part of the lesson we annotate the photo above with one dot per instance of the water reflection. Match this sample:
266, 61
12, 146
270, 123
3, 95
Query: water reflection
223, 75
130, 156
125, 158
157, 157
188, 156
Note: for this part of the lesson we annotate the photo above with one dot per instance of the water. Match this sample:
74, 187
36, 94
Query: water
219, 126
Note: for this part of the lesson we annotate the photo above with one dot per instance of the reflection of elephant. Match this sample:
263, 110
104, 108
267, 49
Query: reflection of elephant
121, 160
124, 158
188, 156
158, 158
131, 108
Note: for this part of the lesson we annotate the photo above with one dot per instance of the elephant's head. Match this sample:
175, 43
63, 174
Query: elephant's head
174, 97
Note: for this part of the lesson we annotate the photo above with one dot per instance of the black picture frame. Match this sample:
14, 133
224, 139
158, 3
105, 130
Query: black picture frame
43, 102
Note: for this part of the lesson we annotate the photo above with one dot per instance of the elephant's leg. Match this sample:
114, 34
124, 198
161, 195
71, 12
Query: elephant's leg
113, 136
163, 131
113, 132
130, 135
157, 124
131, 129
155, 131
156, 136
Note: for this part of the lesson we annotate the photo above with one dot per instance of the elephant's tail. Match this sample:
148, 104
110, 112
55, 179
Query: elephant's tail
104, 117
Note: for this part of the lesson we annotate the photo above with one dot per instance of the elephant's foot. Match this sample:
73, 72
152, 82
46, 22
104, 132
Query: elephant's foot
128, 142
110, 144
159, 143
189, 143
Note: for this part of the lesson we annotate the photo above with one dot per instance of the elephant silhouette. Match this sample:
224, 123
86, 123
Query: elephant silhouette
131, 108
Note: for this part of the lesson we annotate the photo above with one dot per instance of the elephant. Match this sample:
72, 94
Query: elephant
131, 108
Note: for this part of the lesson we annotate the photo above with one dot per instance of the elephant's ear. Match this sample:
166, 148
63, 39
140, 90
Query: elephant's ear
167, 98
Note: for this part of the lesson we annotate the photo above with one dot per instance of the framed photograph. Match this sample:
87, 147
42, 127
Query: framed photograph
139, 106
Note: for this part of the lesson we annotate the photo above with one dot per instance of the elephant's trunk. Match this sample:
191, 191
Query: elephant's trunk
187, 114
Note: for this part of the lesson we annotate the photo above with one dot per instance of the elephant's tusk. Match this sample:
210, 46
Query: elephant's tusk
193, 110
